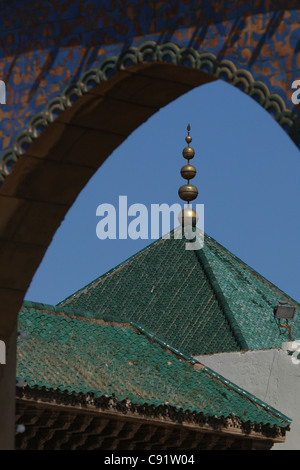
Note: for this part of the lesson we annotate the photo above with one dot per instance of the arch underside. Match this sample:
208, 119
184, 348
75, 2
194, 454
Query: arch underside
144, 60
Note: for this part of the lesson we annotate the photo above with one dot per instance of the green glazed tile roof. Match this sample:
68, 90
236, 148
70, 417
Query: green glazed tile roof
199, 302
165, 289
78, 355
249, 297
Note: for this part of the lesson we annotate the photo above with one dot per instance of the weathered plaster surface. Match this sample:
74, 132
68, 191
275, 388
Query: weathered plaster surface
269, 375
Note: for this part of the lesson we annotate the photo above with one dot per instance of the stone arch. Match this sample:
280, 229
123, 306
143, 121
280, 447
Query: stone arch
137, 59
61, 148
52, 160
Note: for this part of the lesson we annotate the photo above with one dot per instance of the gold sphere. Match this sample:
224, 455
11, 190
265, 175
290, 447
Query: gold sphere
188, 192
188, 172
188, 216
188, 139
188, 153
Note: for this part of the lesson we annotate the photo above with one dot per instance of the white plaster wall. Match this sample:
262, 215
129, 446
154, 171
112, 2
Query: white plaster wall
269, 375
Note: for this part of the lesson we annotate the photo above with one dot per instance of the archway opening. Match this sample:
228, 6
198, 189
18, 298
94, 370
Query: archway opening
239, 156
61, 157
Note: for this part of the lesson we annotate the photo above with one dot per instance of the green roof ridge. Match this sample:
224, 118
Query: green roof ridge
228, 252
221, 299
218, 376
160, 341
88, 315
79, 313
228, 298
92, 297
253, 271
249, 395
185, 357
212, 373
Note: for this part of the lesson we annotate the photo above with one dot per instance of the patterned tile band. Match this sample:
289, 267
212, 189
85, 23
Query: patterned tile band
147, 52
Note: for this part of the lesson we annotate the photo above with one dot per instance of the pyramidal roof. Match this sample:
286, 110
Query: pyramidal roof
195, 301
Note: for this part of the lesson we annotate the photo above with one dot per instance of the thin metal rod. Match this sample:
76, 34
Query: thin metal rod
289, 328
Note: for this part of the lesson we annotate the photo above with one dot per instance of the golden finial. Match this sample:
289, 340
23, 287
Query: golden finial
188, 192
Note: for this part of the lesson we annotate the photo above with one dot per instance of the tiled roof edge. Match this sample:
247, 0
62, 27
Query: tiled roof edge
212, 373
111, 402
246, 394
151, 336
37, 305
160, 341
222, 299
88, 315
81, 314
252, 270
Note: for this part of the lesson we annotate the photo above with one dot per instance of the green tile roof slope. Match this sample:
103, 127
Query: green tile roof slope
77, 355
200, 302
165, 289
250, 298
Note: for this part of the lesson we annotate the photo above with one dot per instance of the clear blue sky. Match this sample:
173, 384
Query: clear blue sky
248, 179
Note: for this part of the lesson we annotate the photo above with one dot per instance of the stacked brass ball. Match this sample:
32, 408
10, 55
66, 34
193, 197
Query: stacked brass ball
188, 192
